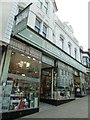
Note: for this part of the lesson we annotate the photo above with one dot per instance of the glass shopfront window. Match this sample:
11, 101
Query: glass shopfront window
24, 95
83, 83
24, 79
65, 82
24, 65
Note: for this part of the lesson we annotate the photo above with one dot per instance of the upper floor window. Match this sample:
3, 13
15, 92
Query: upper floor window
62, 41
75, 52
37, 25
40, 4
86, 61
43, 5
62, 72
46, 7
44, 30
69, 48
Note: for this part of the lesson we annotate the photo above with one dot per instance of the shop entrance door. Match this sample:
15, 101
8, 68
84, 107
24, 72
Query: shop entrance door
48, 81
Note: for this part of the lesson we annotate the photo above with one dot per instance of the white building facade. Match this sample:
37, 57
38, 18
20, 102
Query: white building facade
41, 57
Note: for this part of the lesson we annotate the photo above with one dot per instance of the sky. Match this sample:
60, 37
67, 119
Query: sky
76, 13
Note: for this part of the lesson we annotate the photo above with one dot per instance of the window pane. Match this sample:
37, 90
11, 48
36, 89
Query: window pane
37, 29
37, 23
45, 10
44, 35
41, 5
44, 29
21, 64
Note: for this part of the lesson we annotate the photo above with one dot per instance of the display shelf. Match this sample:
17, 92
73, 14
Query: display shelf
15, 96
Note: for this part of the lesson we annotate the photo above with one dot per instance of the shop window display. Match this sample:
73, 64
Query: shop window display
24, 65
24, 72
65, 83
24, 95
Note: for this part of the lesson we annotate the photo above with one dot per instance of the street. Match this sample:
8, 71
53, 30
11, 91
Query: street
75, 109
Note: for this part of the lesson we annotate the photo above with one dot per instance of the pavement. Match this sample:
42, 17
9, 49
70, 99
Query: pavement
74, 109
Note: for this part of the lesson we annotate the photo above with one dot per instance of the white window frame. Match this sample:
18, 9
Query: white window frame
75, 52
46, 8
37, 27
69, 48
41, 4
44, 32
62, 40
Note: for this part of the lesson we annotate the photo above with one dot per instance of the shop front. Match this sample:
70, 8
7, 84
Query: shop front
53, 78
57, 83
80, 84
22, 85
65, 81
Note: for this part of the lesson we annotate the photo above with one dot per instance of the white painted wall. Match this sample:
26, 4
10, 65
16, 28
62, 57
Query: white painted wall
60, 28
46, 18
9, 10
55, 26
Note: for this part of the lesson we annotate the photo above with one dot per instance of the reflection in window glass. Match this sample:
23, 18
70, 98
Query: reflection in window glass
44, 30
24, 92
24, 65
37, 25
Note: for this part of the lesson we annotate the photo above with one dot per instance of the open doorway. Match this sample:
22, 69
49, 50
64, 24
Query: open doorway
47, 85
48, 81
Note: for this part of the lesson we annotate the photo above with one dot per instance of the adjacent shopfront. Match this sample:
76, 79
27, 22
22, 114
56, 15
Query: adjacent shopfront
80, 84
57, 83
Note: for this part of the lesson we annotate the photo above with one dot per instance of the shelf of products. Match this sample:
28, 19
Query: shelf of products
23, 97
19, 94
